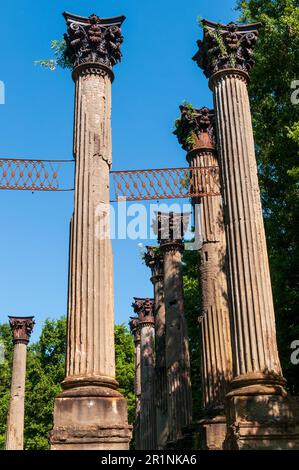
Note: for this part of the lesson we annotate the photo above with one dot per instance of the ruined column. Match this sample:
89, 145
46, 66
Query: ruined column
146, 322
196, 133
21, 330
90, 413
154, 260
257, 408
135, 330
171, 229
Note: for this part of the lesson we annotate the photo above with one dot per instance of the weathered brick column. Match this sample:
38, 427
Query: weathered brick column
21, 330
170, 230
154, 260
196, 133
90, 413
145, 310
257, 408
135, 330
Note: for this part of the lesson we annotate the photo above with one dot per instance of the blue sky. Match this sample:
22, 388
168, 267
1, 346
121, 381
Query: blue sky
155, 76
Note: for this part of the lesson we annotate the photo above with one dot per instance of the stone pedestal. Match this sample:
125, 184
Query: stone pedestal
262, 421
257, 403
90, 413
21, 330
154, 260
146, 323
196, 133
135, 330
177, 341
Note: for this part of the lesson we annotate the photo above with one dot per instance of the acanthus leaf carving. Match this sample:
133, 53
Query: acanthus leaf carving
21, 328
170, 226
144, 309
93, 40
196, 128
226, 47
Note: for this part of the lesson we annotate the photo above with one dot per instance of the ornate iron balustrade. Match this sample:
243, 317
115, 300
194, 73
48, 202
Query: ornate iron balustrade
167, 183
30, 175
133, 185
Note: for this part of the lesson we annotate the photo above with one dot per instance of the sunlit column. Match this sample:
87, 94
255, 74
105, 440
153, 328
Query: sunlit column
154, 260
91, 413
196, 133
21, 330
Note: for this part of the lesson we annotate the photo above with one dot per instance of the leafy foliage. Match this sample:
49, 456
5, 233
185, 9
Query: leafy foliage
60, 59
5, 379
184, 133
125, 368
276, 129
45, 372
192, 312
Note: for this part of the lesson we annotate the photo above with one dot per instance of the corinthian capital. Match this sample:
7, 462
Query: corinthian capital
170, 226
155, 261
195, 128
93, 40
144, 309
226, 47
135, 328
21, 328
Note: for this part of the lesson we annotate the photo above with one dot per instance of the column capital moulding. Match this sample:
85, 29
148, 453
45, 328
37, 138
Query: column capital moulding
170, 228
21, 328
93, 44
226, 49
145, 311
135, 329
195, 130
154, 260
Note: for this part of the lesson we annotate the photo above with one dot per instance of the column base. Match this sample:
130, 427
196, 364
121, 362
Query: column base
262, 422
184, 441
212, 433
207, 434
162, 430
90, 418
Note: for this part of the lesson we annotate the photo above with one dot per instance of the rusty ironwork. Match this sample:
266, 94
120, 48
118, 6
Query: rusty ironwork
132, 185
30, 175
166, 183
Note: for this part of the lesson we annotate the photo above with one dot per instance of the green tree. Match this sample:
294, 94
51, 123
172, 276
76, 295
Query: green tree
125, 367
192, 312
45, 372
276, 129
5, 379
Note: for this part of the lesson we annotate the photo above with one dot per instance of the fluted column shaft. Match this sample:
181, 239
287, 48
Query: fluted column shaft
161, 376
154, 261
216, 355
138, 371
177, 342
252, 314
135, 330
21, 329
15, 422
147, 399
137, 392
90, 345
146, 326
